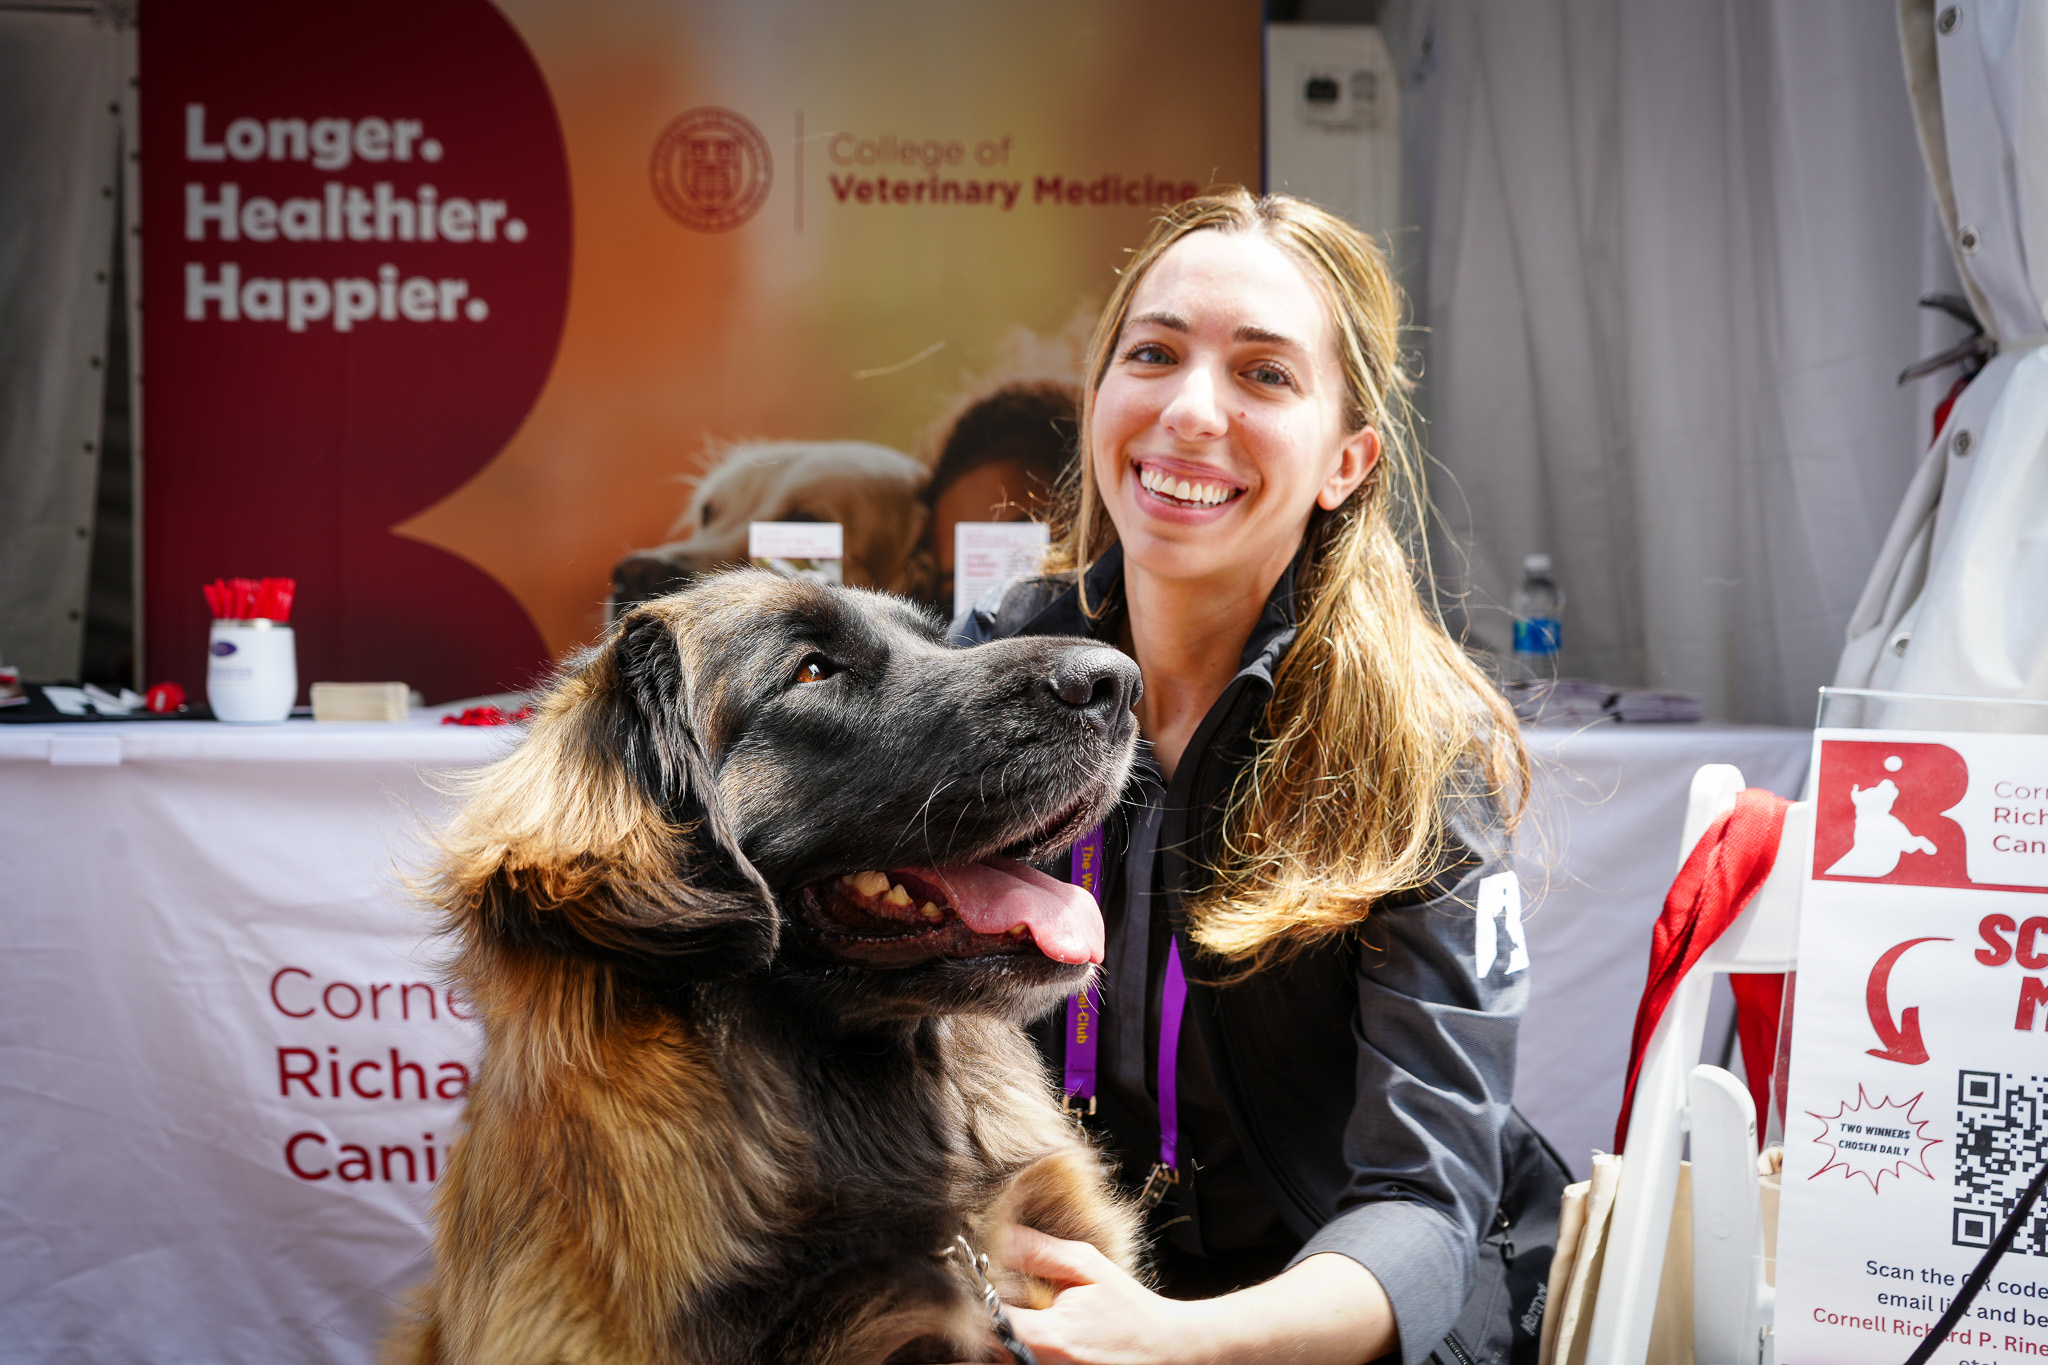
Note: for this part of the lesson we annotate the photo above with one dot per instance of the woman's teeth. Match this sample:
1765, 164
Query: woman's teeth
1184, 490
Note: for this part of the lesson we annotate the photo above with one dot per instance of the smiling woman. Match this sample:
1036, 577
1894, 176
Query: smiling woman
1220, 420
1330, 782
1252, 350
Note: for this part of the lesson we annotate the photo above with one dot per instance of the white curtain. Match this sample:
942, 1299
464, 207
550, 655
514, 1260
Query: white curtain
61, 87
1958, 602
1673, 251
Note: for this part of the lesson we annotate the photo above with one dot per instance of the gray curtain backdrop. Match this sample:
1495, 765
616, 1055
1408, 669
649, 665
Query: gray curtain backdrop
1671, 257
63, 79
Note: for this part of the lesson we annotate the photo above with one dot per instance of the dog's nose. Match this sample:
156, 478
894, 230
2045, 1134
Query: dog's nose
1096, 680
639, 578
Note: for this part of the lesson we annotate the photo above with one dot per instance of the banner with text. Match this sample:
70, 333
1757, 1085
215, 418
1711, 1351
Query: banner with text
234, 1066
444, 300
1918, 1070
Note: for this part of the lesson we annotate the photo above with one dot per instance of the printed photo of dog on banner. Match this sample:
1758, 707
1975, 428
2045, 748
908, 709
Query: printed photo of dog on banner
1041, 930
999, 461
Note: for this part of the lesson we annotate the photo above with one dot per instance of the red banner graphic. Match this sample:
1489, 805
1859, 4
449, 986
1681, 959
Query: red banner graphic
356, 268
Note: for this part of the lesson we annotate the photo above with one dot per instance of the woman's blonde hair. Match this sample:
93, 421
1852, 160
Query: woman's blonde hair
1377, 715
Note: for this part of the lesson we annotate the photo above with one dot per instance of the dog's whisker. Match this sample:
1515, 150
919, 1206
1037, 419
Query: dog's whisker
924, 817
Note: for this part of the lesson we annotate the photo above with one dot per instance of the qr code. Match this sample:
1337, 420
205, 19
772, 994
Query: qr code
1999, 1149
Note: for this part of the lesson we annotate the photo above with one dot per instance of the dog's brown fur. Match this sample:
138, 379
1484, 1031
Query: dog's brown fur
662, 1144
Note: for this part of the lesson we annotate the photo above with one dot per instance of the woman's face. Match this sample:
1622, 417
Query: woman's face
1219, 424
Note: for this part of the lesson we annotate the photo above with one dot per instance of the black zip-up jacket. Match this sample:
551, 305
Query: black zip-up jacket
1369, 1078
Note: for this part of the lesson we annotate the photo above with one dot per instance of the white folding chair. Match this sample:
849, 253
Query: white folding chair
1732, 1304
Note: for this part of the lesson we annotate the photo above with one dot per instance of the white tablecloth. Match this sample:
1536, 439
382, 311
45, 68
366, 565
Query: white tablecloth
203, 937
422, 741
199, 945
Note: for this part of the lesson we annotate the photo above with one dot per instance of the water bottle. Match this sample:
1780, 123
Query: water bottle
1538, 629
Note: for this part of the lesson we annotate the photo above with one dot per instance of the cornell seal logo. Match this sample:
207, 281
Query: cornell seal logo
711, 169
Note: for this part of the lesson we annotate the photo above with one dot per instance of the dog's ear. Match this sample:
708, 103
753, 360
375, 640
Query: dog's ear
601, 835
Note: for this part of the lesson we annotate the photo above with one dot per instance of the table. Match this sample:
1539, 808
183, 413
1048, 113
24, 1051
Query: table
212, 982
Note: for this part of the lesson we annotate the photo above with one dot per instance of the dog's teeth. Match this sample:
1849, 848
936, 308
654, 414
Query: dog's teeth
898, 897
870, 884
1019, 930
930, 911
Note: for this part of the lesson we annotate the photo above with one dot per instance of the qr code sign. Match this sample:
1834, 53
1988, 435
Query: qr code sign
1999, 1148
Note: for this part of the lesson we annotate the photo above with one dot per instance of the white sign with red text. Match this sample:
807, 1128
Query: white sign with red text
1919, 1060
988, 554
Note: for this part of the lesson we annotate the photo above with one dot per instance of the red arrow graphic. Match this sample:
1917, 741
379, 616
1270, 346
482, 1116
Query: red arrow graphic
1902, 1042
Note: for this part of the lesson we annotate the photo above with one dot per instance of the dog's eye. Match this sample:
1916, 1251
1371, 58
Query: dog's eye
814, 668
710, 511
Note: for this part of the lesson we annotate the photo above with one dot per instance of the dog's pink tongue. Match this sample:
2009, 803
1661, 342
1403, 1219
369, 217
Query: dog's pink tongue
996, 895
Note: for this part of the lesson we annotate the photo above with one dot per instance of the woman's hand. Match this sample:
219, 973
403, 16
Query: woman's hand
1102, 1316
1328, 1310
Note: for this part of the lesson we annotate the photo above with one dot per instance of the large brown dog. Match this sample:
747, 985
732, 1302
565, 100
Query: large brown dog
740, 922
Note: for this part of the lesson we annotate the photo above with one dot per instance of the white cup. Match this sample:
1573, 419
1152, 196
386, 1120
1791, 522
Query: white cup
252, 671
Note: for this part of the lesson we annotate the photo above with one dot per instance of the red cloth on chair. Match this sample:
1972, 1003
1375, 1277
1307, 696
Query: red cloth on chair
1720, 877
1759, 1000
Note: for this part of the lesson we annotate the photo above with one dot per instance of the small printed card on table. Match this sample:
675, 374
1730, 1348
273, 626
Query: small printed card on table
988, 554
801, 549
1918, 1077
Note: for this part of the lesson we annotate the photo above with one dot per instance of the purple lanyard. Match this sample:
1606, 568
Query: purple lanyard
1173, 1002
1084, 1025
1084, 1009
